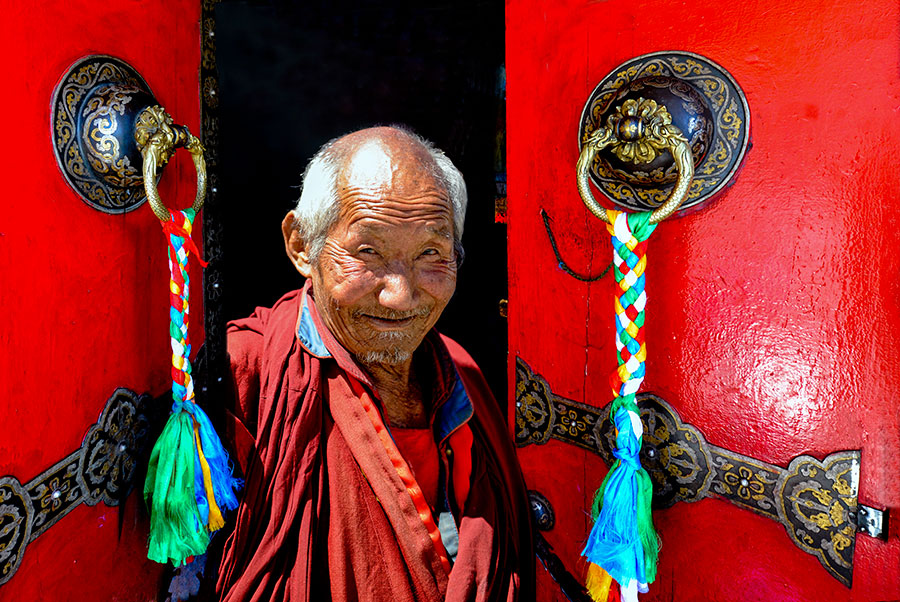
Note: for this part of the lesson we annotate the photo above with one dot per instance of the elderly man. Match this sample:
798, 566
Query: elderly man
378, 465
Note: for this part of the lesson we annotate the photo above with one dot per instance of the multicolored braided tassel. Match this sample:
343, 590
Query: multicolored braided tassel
623, 545
189, 478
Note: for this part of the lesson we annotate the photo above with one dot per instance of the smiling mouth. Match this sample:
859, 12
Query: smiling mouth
389, 323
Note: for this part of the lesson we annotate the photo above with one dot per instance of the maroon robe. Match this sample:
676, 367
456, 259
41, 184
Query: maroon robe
325, 515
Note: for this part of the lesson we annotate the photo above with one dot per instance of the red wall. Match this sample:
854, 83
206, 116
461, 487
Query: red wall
773, 320
83, 294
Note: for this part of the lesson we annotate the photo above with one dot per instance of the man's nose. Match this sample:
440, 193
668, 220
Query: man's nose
398, 290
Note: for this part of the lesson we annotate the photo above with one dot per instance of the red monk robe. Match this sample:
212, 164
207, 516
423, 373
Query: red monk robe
331, 510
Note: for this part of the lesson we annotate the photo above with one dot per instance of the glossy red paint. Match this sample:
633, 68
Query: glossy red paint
773, 313
83, 294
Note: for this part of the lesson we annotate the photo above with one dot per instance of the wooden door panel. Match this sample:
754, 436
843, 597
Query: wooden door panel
83, 293
771, 312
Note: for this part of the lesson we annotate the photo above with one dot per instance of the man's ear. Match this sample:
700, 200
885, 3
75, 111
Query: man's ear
295, 246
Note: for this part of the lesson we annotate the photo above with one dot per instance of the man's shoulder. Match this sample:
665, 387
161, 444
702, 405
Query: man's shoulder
259, 320
246, 336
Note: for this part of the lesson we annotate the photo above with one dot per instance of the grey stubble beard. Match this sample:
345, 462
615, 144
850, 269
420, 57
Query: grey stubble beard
391, 356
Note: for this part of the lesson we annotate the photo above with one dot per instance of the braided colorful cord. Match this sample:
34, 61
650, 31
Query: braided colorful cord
622, 545
189, 479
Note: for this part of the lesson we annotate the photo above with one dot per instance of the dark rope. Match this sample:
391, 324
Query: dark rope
570, 587
559, 260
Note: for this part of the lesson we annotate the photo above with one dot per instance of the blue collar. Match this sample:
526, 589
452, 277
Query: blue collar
307, 333
454, 412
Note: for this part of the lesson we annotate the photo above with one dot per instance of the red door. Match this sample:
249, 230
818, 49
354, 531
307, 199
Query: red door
84, 299
772, 314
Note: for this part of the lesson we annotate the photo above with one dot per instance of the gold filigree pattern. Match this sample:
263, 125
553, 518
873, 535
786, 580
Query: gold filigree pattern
745, 482
820, 501
108, 457
728, 137
535, 415
210, 92
690, 103
53, 495
99, 142
16, 514
815, 501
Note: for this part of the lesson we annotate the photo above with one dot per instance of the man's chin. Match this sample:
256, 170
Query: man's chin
389, 348
385, 357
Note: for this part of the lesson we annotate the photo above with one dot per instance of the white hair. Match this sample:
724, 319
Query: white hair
317, 208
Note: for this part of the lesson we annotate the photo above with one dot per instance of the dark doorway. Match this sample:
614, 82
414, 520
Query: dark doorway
294, 75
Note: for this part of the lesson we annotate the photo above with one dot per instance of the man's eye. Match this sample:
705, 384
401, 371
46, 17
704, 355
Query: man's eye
430, 252
368, 251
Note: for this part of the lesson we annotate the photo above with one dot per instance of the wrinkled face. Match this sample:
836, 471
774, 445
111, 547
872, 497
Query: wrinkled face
388, 268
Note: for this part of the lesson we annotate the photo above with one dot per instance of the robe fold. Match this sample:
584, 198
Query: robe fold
327, 514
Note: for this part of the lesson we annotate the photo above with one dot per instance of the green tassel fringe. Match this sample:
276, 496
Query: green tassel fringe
176, 532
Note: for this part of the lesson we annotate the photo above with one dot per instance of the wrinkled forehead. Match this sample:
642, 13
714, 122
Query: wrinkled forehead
396, 165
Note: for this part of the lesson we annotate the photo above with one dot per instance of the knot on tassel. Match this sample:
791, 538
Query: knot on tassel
179, 226
616, 540
629, 459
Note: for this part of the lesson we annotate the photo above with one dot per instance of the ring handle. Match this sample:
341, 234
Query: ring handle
157, 138
638, 132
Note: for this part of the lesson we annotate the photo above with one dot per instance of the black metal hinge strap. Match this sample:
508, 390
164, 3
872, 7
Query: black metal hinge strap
815, 501
102, 469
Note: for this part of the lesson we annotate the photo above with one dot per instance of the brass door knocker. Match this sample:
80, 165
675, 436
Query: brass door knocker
637, 131
662, 132
157, 138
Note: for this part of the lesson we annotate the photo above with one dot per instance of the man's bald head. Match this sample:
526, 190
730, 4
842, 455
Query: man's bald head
372, 155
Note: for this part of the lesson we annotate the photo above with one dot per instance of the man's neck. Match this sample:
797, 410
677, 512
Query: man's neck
400, 393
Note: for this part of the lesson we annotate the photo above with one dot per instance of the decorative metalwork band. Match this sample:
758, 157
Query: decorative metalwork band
102, 469
815, 501
213, 367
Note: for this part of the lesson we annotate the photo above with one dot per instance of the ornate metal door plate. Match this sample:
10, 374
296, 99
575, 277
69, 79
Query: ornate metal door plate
704, 102
92, 114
